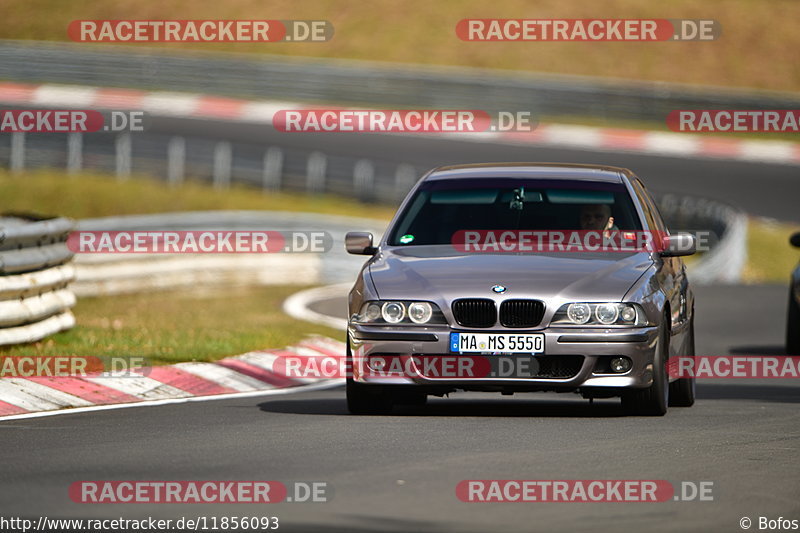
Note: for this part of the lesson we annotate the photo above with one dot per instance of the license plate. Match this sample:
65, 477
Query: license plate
497, 343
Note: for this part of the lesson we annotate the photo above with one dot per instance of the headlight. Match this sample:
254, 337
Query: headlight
628, 313
400, 313
600, 314
393, 312
373, 312
579, 313
420, 312
606, 313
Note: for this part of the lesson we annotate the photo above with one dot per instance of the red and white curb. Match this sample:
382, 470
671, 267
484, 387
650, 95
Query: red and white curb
557, 135
250, 374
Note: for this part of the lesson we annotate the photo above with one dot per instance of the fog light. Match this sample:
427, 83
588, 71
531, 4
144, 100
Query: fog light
620, 365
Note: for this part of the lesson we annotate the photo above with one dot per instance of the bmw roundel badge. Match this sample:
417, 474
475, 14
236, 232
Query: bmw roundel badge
498, 289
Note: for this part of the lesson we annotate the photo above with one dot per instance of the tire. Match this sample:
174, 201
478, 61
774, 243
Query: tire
793, 326
365, 399
652, 401
681, 391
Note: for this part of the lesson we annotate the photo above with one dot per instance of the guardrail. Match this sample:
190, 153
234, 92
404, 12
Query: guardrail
35, 272
357, 82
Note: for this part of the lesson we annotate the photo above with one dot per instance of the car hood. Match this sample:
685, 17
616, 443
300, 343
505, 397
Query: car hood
442, 273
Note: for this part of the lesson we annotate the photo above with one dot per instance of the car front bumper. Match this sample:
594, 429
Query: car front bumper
594, 347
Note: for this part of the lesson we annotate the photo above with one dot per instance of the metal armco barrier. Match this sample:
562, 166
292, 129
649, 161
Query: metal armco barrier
35, 272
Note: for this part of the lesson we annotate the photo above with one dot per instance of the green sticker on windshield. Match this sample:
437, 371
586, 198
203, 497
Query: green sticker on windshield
405, 239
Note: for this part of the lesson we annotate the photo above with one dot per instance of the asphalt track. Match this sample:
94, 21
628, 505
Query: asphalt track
398, 473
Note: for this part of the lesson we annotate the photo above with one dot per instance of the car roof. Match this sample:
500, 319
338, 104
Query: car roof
530, 170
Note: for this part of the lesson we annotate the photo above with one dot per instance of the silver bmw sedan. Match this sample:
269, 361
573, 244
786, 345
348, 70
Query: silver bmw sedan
522, 277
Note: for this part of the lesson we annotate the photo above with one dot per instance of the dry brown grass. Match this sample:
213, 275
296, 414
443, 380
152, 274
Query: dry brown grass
757, 49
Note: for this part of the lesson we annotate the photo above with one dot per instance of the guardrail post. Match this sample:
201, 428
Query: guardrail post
17, 162
273, 169
364, 179
176, 158
315, 172
222, 165
404, 178
123, 156
74, 152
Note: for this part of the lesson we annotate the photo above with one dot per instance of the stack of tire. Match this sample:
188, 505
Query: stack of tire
35, 273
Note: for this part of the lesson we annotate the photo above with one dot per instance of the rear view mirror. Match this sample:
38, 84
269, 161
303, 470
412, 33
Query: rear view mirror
794, 240
679, 244
359, 243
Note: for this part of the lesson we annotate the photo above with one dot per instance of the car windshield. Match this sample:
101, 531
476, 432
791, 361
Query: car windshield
441, 208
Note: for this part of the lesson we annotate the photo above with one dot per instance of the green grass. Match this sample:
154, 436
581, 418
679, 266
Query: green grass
770, 257
173, 326
757, 47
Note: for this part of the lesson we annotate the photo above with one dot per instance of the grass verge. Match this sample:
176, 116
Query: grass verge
173, 326
770, 257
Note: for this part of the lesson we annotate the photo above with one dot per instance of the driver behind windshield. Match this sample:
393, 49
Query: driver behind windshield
597, 217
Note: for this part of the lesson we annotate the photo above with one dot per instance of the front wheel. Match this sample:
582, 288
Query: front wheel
652, 401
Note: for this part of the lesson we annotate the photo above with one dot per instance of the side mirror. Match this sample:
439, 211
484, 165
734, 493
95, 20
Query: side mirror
679, 244
359, 243
794, 240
